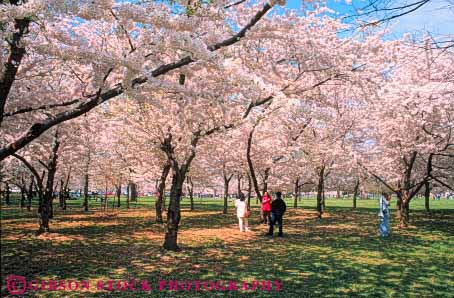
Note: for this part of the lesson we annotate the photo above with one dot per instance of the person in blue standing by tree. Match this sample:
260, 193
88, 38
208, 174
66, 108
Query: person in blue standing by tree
278, 208
383, 214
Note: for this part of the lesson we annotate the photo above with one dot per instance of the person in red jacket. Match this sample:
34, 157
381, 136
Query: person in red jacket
266, 207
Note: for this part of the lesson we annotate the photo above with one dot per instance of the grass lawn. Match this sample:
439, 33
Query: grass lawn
338, 256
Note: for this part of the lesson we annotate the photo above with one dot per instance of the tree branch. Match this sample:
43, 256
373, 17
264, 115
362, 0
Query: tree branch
32, 169
39, 127
43, 107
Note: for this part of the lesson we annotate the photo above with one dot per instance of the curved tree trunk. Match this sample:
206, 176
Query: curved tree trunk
251, 166
178, 178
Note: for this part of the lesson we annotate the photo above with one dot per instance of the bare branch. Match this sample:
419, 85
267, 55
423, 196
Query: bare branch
43, 107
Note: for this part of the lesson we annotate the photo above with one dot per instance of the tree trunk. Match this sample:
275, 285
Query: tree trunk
320, 192
249, 188
156, 184
404, 213
40, 196
399, 205
355, 193
251, 166
178, 177
132, 192
296, 193
22, 197
47, 198
65, 197
128, 190
23, 191
239, 177
66, 189
61, 194
86, 192
86, 179
7, 194
324, 197
226, 194
44, 215
51, 206
173, 213
265, 180
427, 196
226, 191
159, 205
11, 65
191, 192
105, 199
30, 194
118, 193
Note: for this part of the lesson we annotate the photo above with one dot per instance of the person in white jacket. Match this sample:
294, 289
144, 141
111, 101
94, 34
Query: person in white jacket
242, 213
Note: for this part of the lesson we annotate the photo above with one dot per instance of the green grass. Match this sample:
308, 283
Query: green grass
338, 256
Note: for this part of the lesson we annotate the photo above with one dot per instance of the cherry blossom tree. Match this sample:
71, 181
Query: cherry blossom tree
408, 122
128, 46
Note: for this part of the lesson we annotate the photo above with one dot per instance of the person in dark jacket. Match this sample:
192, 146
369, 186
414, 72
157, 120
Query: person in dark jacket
278, 208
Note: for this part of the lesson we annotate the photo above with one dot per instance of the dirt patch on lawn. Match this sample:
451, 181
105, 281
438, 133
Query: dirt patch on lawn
56, 237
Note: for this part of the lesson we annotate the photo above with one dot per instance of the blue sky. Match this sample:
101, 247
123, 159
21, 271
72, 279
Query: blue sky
434, 17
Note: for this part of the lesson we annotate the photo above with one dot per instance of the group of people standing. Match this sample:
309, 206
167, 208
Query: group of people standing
272, 212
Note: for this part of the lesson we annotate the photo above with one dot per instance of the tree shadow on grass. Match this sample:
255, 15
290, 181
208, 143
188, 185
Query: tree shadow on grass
338, 256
